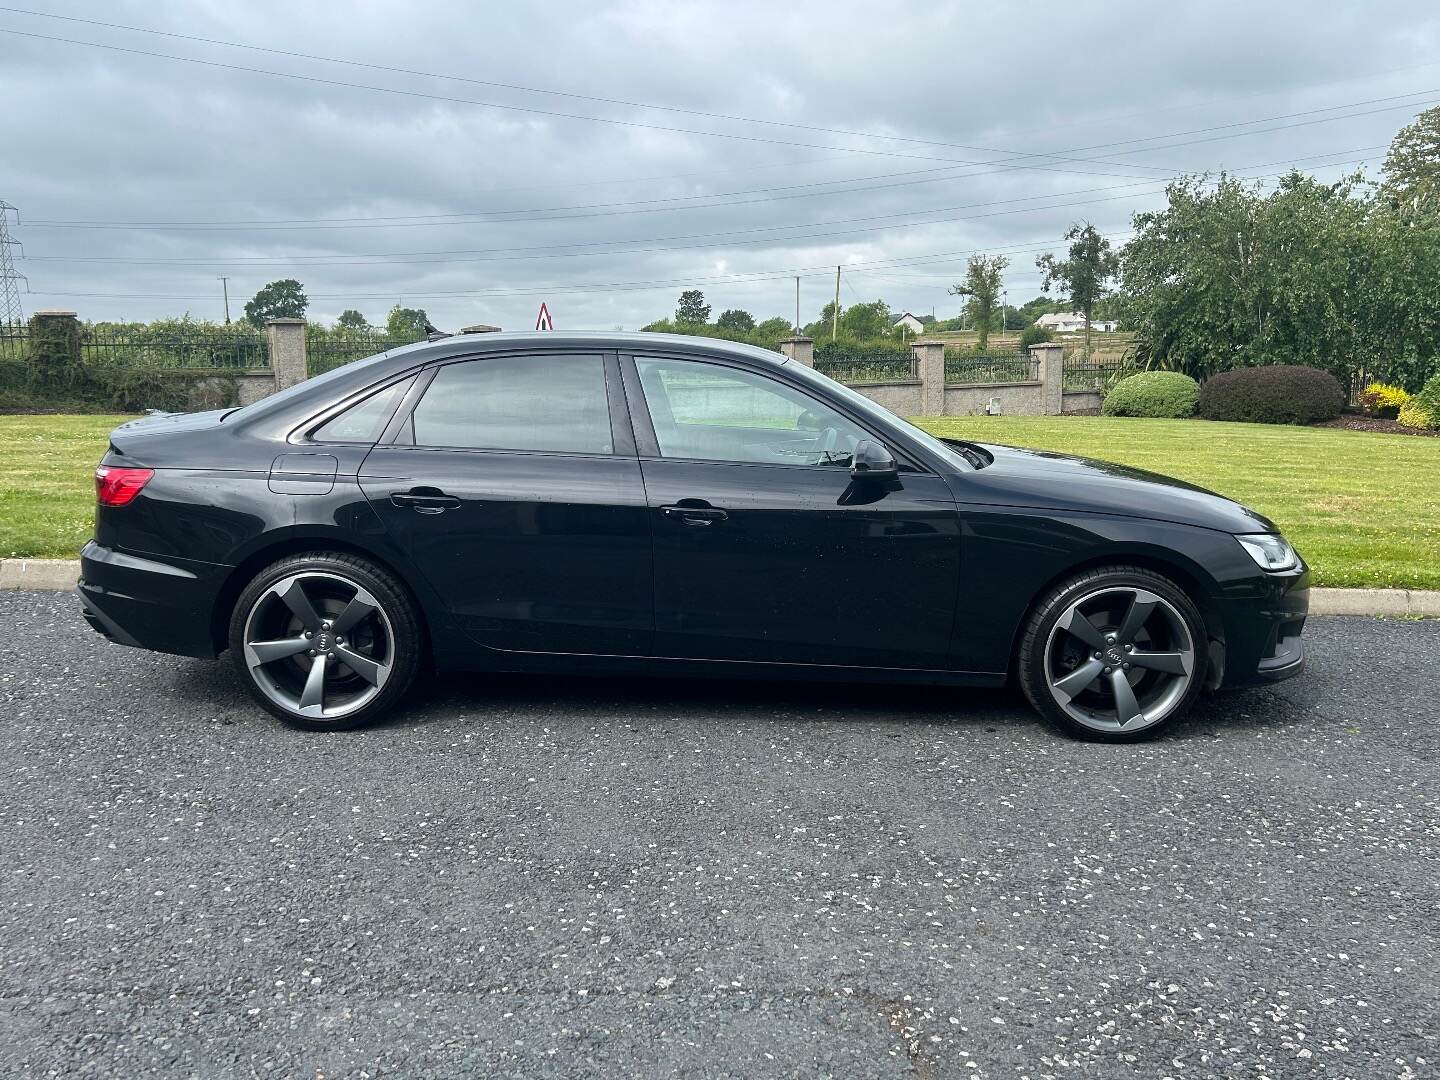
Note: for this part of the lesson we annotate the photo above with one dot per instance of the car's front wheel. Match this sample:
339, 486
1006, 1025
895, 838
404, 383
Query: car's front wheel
326, 640
1113, 654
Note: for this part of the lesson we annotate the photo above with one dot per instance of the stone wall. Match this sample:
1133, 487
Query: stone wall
930, 395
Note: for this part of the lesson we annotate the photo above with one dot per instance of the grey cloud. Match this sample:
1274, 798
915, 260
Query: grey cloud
110, 136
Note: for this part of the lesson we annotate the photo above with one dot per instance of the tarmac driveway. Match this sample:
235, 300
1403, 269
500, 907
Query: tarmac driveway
533, 877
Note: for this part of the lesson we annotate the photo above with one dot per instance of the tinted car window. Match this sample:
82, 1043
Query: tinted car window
554, 403
364, 422
715, 413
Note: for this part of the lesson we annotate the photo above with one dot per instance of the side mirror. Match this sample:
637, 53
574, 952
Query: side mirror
872, 461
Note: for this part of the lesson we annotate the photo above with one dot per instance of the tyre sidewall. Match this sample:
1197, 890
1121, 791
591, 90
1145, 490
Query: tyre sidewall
1030, 658
399, 607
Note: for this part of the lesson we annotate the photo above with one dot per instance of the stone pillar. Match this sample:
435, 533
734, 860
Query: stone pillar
799, 349
1051, 363
930, 364
286, 338
54, 340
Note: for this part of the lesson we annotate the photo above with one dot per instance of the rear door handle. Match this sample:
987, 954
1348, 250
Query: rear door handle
425, 500
694, 515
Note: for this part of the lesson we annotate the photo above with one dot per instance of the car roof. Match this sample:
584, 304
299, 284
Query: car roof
278, 410
634, 341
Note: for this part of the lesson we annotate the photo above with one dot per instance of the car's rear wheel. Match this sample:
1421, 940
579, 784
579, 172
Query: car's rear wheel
1113, 654
326, 640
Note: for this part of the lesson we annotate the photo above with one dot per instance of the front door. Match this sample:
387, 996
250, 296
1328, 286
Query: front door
522, 504
765, 549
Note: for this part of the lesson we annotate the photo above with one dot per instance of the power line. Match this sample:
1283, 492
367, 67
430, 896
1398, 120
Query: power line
820, 129
1016, 157
806, 271
559, 251
879, 265
641, 125
426, 220
652, 106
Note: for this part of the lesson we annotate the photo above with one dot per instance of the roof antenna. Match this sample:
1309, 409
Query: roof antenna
432, 334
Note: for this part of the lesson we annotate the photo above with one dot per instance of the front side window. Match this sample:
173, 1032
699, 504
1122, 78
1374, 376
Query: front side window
533, 403
713, 413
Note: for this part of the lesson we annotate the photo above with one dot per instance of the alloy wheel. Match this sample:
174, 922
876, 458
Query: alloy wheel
318, 645
1119, 659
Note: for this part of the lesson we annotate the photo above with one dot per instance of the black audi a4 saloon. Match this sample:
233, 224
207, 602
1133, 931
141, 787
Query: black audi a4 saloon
629, 503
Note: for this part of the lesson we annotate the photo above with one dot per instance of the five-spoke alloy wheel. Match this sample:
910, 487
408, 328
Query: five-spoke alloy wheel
325, 641
1113, 654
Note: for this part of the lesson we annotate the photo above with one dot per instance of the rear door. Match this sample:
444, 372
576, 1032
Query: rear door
765, 549
513, 486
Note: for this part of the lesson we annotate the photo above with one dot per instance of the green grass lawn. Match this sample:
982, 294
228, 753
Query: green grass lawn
1364, 509
47, 482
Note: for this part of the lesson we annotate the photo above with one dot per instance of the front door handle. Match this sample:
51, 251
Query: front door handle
701, 514
425, 500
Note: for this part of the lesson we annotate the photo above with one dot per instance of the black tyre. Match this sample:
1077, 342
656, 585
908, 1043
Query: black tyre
1113, 654
326, 641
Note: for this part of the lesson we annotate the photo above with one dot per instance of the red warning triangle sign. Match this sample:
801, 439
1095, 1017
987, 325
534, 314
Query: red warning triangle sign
543, 321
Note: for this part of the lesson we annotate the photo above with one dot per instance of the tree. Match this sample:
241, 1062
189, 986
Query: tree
1412, 167
1085, 275
406, 322
350, 319
1229, 275
860, 322
776, 329
984, 275
284, 299
692, 308
866, 321
735, 319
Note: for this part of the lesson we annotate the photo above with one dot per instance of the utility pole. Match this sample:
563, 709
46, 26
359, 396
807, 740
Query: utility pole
835, 315
10, 311
225, 288
797, 305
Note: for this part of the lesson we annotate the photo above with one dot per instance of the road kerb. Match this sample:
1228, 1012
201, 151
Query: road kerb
55, 575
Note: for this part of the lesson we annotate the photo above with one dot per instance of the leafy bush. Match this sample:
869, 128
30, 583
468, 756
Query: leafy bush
1035, 335
766, 335
1384, 400
1413, 414
1166, 395
1278, 394
1423, 410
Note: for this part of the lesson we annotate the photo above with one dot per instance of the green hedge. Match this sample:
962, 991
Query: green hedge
30, 386
1164, 395
1279, 394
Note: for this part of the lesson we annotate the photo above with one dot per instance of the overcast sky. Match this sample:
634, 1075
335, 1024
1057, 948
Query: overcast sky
891, 139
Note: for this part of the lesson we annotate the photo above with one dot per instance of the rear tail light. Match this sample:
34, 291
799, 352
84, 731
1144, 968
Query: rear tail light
116, 486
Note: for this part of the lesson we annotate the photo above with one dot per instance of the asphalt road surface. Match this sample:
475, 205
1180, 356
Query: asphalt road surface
539, 877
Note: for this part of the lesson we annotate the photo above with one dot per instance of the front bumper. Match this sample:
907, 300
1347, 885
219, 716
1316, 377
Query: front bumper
148, 604
1263, 628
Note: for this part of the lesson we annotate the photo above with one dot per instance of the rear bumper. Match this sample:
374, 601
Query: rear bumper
1263, 630
148, 604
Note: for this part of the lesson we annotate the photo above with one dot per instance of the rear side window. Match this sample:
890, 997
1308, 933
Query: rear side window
364, 422
541, 403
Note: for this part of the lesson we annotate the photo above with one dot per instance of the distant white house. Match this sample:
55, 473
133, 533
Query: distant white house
1073, 322
910, 322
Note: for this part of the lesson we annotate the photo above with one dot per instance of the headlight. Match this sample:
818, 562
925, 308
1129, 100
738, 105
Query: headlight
1269, 551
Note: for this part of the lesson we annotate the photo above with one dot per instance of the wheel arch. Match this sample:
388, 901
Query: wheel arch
297, 543
1188, 576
